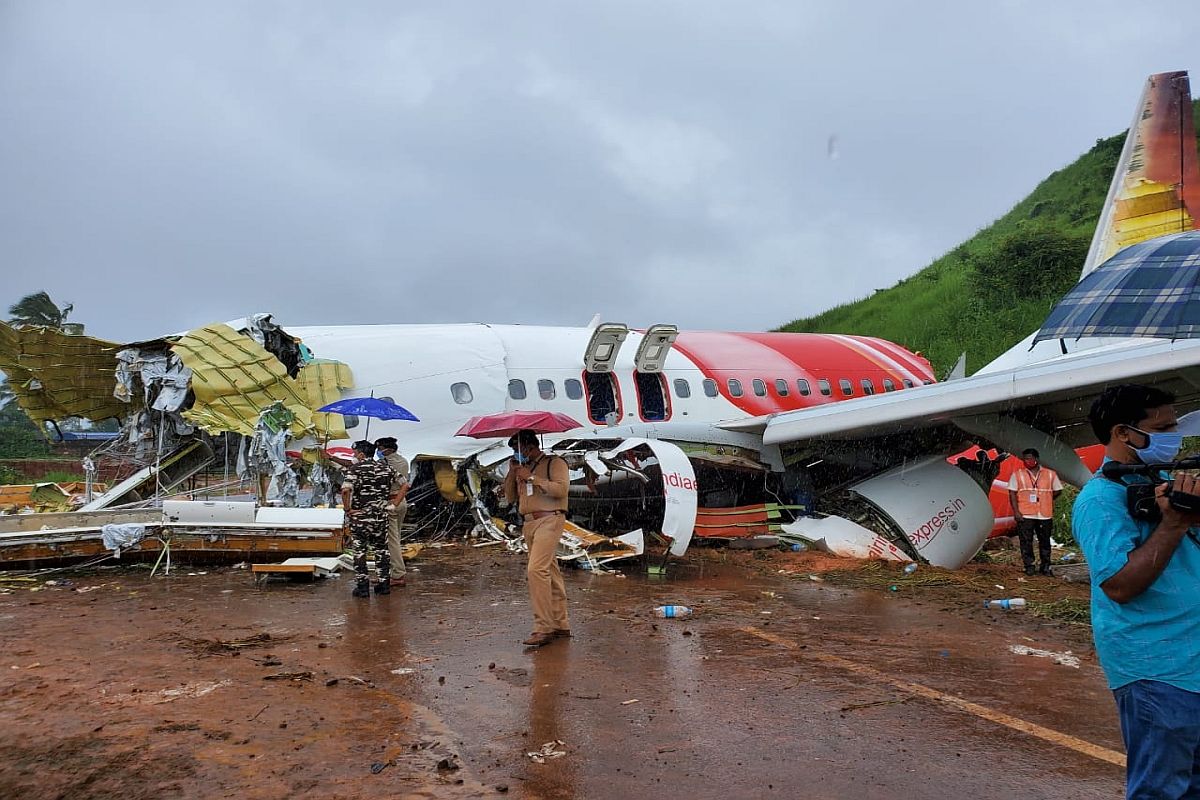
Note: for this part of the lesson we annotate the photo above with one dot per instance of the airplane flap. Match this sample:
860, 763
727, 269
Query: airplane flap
747, 424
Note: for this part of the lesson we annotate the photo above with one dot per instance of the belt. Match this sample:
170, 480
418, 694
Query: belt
540, 514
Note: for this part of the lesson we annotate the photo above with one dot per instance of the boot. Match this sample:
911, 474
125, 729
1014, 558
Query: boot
361, 589
383, 587
1029, 569
1045, 570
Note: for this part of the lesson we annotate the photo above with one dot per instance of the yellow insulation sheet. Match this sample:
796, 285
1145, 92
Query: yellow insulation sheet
56, 376
234, 378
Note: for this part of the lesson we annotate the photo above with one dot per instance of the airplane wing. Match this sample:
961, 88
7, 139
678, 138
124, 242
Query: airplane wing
1035, 403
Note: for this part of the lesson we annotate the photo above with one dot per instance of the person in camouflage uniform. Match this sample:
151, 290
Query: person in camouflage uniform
365, 498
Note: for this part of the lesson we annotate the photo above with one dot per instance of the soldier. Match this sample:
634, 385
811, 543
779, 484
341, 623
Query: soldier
365, 499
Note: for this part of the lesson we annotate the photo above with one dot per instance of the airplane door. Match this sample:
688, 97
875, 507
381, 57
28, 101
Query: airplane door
600, 385
654, 405
601, 352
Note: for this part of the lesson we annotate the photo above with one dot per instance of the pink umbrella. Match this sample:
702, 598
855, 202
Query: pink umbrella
506, 423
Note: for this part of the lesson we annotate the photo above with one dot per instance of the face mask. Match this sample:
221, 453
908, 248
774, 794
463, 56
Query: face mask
1160, 448
519, 457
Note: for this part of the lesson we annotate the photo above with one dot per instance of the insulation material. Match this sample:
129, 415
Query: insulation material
55, 375
322, 382
234, 378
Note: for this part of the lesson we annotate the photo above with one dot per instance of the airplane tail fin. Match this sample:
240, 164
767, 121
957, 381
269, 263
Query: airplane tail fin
1156, 187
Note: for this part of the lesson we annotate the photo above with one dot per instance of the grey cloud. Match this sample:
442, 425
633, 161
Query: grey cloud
532, 162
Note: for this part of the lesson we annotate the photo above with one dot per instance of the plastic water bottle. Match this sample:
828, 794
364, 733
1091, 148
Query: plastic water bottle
909, 569
671, 612
1068, 557
798, 547
1007, 604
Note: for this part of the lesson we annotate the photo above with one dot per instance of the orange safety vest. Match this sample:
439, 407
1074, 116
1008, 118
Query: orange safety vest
1042, 488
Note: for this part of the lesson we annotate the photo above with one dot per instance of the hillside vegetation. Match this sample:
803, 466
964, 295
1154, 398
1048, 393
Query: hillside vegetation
997, 287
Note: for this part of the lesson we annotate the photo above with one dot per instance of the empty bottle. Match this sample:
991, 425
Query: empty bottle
1006, 604
798, 547
671, 612
909, 569
1069, 557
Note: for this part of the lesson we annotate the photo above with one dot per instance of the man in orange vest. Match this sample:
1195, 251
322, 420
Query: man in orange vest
1032, 490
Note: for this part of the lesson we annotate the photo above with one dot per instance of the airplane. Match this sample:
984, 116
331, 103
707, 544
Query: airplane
853, 436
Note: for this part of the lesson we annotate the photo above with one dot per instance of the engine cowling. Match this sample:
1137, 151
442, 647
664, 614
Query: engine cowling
938, 509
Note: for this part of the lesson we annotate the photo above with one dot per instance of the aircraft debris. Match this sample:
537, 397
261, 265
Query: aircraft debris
549, 750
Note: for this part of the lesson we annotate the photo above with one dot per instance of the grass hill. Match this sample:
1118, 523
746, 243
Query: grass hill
994, 289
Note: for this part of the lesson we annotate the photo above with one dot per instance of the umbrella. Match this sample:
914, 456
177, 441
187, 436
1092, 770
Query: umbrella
1148, 289
369, 407
506, 423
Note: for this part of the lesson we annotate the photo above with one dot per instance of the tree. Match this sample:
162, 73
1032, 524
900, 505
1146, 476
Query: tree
38, 310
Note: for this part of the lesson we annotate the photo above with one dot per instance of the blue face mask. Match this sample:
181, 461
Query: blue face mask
519, 457
1161, 448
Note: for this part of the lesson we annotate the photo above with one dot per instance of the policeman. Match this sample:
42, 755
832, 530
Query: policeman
387, 448
365, 499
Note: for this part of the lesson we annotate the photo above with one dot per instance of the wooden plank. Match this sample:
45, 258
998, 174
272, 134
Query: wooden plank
311, 569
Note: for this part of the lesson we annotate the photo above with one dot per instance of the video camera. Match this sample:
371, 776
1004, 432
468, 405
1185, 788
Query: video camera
1140, 497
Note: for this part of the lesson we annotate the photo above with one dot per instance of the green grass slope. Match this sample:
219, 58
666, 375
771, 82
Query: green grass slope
994, 289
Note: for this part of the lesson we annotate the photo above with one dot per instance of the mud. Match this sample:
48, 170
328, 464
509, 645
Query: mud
779, 686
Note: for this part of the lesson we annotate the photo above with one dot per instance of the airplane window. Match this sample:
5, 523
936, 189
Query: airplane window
760, 387
574, 388
388, 399
846, 387
461, 392
710, 387
825, 388
735, 387
908, 384
546, 389
516, 389
781, 387
350, 421
889, 385
682, 388
803, 387
927, 382
867, 386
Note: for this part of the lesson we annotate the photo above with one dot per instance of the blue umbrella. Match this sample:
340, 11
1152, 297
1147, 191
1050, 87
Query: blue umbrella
1148, 289
369, 407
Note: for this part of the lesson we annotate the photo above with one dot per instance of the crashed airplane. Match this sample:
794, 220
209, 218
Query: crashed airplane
841, 441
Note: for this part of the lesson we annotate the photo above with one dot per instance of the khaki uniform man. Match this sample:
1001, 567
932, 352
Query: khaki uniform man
399, 466
538, 482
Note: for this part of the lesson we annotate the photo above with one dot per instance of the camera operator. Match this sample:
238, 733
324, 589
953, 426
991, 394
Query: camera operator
1145, 594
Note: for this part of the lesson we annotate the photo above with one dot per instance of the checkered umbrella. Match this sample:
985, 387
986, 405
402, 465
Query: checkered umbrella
1147, 289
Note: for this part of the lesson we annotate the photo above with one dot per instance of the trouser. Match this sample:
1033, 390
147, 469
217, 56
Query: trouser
547, 593
370, 535
395, 520
1161, 728
1026, 528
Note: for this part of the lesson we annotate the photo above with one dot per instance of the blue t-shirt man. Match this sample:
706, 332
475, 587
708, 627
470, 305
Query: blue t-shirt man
1146, 593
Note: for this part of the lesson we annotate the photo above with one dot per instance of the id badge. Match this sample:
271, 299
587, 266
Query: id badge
1033, 498
529, 488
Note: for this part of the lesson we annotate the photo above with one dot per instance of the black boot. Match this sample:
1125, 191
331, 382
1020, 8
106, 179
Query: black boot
1045, 570
361, 589
1029, 569
383, 587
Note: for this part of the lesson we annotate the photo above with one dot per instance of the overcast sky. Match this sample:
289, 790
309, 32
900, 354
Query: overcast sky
711, 164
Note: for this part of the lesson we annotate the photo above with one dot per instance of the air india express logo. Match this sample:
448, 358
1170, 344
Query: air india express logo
933, 526
680, 481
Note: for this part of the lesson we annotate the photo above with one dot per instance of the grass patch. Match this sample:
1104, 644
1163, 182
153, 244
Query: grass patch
1068, 609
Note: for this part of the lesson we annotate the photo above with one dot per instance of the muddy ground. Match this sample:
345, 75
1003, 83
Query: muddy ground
120, 685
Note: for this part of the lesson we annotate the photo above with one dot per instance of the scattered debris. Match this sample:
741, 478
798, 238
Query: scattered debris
548, 750
289, 676
630, 702
1067, 659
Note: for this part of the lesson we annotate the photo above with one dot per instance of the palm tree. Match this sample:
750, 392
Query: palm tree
38, 310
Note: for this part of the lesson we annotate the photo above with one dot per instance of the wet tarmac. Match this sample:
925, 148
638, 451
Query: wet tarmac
205, 686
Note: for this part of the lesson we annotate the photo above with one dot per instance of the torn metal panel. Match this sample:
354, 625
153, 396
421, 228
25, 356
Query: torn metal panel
55, 375
234, 378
